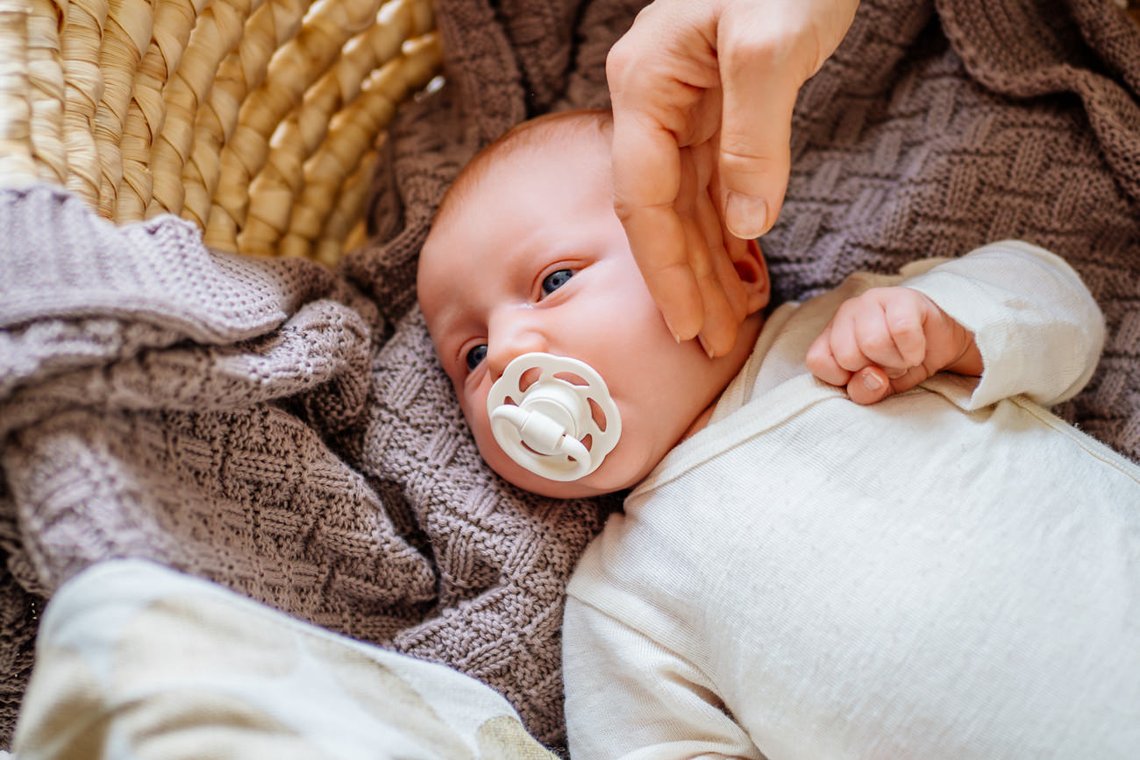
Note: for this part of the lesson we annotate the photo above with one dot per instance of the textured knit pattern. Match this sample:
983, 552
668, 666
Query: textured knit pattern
285, 430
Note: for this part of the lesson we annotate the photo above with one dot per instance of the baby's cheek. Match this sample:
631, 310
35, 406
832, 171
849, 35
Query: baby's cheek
485, 443
495, 458
498, 461
625, 466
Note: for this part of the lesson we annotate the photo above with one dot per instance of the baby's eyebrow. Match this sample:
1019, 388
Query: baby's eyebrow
450, 324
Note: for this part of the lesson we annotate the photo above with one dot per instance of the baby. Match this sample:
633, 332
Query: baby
942, 568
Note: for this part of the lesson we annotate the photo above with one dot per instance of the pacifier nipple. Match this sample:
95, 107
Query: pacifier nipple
562, 425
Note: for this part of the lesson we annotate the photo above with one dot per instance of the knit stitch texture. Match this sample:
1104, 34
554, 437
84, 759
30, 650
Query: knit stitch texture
285, 430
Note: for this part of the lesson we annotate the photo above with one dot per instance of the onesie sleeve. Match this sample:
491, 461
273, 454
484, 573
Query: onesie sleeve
1039, 331
629, 697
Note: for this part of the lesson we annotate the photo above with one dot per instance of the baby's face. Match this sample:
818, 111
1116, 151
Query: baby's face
533, 258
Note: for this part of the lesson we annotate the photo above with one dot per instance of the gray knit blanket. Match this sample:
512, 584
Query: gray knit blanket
285, 431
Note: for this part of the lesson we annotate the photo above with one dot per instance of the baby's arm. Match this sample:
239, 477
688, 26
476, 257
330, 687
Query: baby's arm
1012, 313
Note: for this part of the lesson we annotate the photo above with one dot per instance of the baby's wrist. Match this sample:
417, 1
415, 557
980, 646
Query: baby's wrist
968, 359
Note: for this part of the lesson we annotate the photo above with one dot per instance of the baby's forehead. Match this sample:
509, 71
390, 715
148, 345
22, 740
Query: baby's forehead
548, 159
535, 142
560, 154
534, 160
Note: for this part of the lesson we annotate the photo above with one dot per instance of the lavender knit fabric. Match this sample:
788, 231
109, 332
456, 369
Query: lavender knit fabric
285, 431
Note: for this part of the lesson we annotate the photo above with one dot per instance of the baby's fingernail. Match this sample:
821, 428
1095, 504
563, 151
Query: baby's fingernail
871, 381
746, 215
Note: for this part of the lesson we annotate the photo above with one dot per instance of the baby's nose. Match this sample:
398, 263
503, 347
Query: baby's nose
511, 337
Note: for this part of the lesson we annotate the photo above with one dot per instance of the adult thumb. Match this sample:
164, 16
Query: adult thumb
765, 52
759, 92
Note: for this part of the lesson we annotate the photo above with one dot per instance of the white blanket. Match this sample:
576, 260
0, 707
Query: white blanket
134, 660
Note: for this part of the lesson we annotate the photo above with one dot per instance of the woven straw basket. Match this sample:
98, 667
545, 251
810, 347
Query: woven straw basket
258, 120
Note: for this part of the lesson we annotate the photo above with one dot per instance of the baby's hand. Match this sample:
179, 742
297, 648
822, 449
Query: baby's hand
888, 340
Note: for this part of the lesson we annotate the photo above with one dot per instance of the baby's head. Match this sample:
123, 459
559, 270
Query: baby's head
527, 255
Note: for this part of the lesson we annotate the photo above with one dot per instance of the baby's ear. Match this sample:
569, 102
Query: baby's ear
748, 261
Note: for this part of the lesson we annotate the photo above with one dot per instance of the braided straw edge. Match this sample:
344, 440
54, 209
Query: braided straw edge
258, 120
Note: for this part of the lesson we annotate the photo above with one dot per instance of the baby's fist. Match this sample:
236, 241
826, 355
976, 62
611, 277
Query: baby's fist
888, 340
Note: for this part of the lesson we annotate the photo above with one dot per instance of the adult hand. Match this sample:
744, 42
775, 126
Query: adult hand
704, 89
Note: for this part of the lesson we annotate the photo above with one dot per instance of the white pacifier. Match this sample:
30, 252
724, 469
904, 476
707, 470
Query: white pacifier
545, 427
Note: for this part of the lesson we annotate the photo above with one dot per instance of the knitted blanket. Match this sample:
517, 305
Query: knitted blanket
285, 431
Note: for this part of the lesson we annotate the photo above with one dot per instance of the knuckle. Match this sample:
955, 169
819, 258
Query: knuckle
878, 343
878, 294
813, 353
848, 357
620, 58
848, 308
746, 45
742, 154
789, 44
905, 327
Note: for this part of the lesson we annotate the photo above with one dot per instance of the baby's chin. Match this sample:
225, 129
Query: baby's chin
612, 476
555, 489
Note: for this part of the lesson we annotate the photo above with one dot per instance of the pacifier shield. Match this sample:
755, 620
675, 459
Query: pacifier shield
562, 424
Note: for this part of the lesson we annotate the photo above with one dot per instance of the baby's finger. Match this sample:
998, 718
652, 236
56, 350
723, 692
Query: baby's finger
874, 337
844, 342
822, 362
904, 318
869, 386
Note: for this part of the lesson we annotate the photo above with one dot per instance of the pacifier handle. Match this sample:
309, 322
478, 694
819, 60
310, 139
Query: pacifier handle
534, 427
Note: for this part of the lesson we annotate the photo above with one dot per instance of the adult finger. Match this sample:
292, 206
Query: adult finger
647, 177
657, 74
722, 292
761, 74
726, 309
755, 146
720, 325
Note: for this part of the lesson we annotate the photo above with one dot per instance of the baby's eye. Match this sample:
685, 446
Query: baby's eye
555, 280
476, 356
